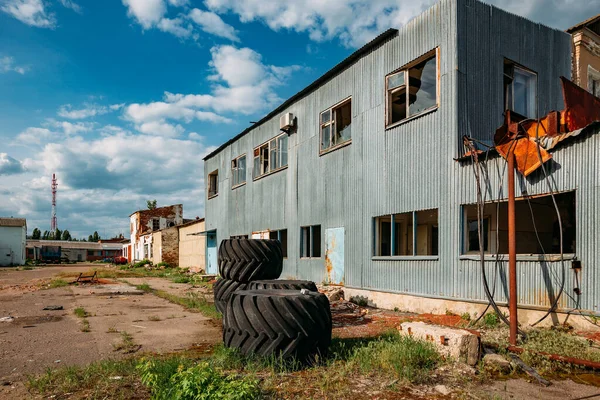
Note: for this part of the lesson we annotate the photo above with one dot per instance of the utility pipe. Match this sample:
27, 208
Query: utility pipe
512, 249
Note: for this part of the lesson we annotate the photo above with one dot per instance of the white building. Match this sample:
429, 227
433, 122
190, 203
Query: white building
13, 237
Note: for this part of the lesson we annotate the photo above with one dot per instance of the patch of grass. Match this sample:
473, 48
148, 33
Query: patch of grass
490, 320
140, 264
192, 302
95, 381
154, 318
80, 312
85, 325
465, 316
126, 345
56, 283
169, 381
144, 287
112, 329
181, 279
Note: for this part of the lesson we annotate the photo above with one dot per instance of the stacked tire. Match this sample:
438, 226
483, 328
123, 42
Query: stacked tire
263, 315
242, 261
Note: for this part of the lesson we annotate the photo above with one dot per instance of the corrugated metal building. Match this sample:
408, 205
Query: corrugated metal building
385, 207
75, 251
13, 233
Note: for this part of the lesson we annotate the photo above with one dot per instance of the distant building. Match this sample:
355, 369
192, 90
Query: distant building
192, 245
13, 234
75, 251
586, 54
144, 222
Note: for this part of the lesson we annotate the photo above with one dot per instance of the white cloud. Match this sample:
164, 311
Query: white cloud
161, 128
147, 13
211, 23
34, 135
7, 64
176, 27
30, 12
69, 128
72, 5
9, 165
88, 110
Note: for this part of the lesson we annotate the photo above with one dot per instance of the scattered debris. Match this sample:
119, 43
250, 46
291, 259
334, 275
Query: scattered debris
497, 362
6, 319
530, 371
53, 308
333, 293
442, 389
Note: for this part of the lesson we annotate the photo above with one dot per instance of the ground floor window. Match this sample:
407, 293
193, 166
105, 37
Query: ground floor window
536, 215
239, 237
310, 241
407, 234
281, 235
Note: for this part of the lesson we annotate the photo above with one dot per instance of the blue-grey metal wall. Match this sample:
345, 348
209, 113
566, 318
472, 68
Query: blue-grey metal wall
411, 166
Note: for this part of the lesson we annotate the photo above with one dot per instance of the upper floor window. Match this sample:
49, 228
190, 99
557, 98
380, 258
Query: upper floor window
407, 234
520, 89
238, 171
413, 89
213, 183
270, 156
155, 224
593, 81
336, 125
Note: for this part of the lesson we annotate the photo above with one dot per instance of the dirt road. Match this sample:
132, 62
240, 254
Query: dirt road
33, 339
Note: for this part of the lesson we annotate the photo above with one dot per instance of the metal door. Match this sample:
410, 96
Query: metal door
211, 253
334, 255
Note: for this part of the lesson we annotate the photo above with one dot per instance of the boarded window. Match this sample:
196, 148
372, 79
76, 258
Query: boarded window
310, 241
412, 90
336, 124
213, 183
407, 234
537, 228
271, 156
238, 171
520, 89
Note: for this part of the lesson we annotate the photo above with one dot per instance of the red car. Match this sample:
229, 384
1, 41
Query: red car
119, 260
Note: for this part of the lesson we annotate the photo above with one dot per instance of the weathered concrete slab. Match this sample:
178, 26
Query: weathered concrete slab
459, 344
113, 290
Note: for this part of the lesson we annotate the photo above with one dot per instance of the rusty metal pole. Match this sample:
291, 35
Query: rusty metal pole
512, 249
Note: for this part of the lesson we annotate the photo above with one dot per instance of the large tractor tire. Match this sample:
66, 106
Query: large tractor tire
285, 323
246, 260
223, 289
283, 284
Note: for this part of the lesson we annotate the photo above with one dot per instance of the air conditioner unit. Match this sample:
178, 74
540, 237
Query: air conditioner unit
286, 122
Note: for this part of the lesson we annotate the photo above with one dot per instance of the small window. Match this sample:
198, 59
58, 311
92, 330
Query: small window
238, 171
213, 183
310, 241
520, 89
593, 81
336, 124
281, 235
155, 224
270, 156
407, 234
537, 228
412, 90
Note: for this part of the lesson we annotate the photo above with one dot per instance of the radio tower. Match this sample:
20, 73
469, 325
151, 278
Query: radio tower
53, 222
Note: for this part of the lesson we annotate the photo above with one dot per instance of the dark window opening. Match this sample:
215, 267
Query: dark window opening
238, 171
398, 235
213, 183
336, 125
281, 235
155, 224
520, 89
310, 241
545, 221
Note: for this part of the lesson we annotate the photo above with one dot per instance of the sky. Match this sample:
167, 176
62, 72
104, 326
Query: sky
123, 98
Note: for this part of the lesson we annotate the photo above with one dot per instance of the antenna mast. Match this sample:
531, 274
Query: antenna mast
53, 221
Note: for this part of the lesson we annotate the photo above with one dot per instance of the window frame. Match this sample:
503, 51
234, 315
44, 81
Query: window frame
236, 160
434, 53
517, 66
210, 192
331, 124
593, 80
279, 235
376, 233
274, 139
311, 243
490, 246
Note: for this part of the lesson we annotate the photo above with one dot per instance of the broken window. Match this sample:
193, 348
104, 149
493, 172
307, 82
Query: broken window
520, 89
155, 224
213, 183
407, 234
281, 235
537, 234
239, 237
238, 171
412, 90
310, 241
336, 125
270, 156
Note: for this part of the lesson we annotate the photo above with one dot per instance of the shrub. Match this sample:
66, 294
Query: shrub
163, 264
197, 382
490, 320
140, 264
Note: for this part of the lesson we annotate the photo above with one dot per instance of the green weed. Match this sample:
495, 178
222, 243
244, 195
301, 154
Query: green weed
80, 312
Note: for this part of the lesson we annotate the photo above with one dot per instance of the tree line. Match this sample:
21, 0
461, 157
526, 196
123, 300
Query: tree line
62, 235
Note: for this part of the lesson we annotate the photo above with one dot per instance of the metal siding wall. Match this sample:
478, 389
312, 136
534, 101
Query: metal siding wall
411, 167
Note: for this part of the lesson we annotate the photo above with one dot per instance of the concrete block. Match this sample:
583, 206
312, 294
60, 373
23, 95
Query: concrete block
497, 362
460, 344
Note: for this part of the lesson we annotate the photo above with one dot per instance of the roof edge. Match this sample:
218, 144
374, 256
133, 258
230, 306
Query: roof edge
327, 76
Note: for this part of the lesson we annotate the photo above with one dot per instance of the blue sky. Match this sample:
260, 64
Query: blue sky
122, 99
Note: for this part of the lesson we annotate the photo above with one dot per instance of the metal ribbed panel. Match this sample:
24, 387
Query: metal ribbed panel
411, 167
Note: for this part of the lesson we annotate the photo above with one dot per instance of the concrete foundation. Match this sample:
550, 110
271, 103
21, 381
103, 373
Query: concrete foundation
422, 305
